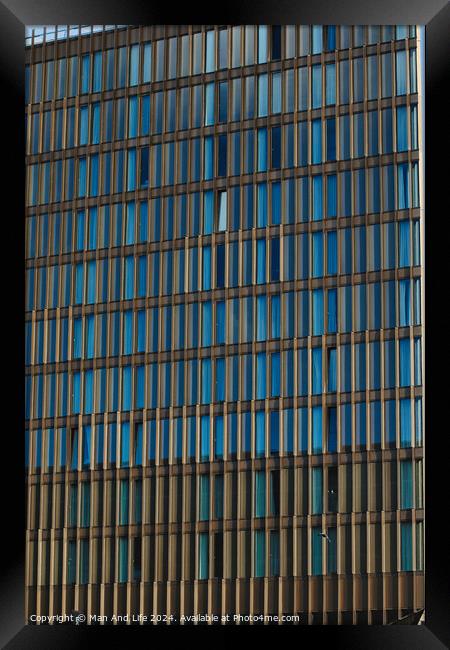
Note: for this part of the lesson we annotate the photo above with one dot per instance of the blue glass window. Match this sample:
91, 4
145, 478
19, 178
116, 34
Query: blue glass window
402, 128
316, 550
260, 493
372, 141
276, 93
261, 205
404, 303
406, 485
317, 207
331, 252
218, 437
223, 102
204, 437
332, 311
206, 273
403, 186
330, 143
316, 135
262, 150
406, 563
375, 424
317, 39
358, 79
316, 371
316, 97
203, 497
317, 254
222, 155
203, 556
316, 490
208, 172
260, 436
263, 95
332, 370
317, 436
405, 422
84, 125
332, 430
209, 103
360, 425
317, 312
330, 84
346, 426
274, 428
259, 553
210, 51
331, 196
400, 72
276, 147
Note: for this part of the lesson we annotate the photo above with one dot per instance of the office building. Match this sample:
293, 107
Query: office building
224, 322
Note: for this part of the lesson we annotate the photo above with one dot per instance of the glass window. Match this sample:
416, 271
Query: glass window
406, 546
303, 89
275, 33
316, 97
316, 137
332, 428
317, 312
290, 41
372, 132
259, 553
209, 103
262, 149
223, 49
260, 493
316, 490
134, 65
330, 84
358, 80
276, 93
344, 82
223, 102
210, 51
276, 147
406, 484
372, 77
222, 155
172, 63
249, 48
260, 436
358, 135
412, 71
236, 47
386, 122
402, 129
203, 556
405, 422
344, 132
400, 72
316, 550
263, 43
274, 559
317, 39
386, 75
317, 439
203, 507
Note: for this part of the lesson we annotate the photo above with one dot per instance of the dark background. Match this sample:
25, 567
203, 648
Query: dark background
14, 14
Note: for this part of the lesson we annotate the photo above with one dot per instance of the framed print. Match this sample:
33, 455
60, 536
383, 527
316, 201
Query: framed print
228, 397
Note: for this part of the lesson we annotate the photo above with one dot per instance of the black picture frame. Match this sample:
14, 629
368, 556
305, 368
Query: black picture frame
435, 15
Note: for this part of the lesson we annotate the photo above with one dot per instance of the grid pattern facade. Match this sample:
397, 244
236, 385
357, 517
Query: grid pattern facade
224, 323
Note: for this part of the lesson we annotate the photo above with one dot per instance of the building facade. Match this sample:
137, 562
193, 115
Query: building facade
224, 323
